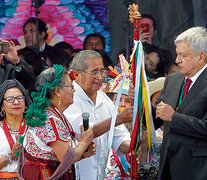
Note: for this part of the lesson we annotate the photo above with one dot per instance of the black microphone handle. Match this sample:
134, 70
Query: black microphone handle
85, 124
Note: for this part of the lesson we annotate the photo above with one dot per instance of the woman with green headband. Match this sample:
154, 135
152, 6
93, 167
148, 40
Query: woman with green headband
49, 141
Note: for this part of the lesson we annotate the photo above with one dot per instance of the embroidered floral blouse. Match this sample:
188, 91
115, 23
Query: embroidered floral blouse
37, 139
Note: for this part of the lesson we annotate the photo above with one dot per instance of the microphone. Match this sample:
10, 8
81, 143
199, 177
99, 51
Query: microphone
85, 116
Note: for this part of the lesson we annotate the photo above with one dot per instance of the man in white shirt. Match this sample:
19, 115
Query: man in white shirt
89, 75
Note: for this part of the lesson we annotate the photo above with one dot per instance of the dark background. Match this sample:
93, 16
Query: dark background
172, 17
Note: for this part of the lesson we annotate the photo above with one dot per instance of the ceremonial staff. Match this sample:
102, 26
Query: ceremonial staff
142, 104
135, 16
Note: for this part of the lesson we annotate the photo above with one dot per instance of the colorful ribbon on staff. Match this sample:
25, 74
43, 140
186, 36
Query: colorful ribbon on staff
142, 105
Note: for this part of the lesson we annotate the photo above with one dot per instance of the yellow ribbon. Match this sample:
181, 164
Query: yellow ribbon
146, 109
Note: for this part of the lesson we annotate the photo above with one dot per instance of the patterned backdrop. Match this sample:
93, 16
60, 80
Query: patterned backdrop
67, 20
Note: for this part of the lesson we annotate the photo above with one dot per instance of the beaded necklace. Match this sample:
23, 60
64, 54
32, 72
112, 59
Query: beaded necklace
14, 130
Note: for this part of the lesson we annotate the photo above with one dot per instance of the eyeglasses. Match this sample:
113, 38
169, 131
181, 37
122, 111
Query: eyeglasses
96, 73
11, 99
72, 86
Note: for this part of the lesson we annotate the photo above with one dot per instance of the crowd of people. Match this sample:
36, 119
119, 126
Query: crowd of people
44, 91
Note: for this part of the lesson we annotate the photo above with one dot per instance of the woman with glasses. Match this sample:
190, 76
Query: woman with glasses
49, 142
13, 100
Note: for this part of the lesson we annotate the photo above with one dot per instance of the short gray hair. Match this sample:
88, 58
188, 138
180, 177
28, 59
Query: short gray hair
196, 37
79, 62
48, 76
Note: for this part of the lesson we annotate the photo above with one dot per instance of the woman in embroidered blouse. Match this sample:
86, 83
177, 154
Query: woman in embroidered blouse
50, 142
13, 98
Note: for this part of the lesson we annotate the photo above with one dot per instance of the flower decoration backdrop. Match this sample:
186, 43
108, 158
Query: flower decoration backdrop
67, 20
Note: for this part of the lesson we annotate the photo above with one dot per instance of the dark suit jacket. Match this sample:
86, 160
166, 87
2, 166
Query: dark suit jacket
37, 61
185, 137
25, 76
6, 72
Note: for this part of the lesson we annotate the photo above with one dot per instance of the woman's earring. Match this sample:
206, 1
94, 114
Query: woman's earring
59, 101
2, 113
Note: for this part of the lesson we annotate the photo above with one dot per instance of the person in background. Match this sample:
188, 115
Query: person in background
182, 107
148, 31
13, 101
75, 51
172, 68
148, 28
57, 56
155, 87
64, 45
155, 62
36, 58
49, 142
94, 41
119, 167
89, 75
106, 59
12, 66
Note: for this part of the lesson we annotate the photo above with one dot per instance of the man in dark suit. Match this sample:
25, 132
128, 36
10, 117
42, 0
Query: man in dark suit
184, 147
36, 58
11, 66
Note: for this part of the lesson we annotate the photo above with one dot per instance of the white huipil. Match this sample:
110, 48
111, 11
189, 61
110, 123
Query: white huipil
5, 149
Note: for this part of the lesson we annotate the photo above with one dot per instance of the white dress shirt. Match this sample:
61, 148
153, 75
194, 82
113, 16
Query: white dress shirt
93, 168
195, 77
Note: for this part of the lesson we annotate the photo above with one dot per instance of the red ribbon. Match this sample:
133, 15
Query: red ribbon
66, 123
8, 134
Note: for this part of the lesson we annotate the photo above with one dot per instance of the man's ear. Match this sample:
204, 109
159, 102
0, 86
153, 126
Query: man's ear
202, 57
42, 35
76, 75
